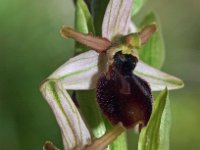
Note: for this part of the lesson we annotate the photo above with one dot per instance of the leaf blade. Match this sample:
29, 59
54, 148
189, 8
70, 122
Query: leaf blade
83, 23
151, 137
137, 5
165, 131
98, 8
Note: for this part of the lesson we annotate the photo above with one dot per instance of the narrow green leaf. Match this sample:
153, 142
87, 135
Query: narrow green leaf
98, 8
165, 127
83, 23
153, 52
137, 5
155, 136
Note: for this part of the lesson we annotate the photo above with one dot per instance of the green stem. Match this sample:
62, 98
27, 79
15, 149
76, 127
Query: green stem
102, 142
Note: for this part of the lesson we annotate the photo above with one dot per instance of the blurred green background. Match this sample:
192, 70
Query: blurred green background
31, 48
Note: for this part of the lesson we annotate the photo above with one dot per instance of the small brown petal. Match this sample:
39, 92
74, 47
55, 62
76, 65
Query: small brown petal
147, 32
49, 146
97, 43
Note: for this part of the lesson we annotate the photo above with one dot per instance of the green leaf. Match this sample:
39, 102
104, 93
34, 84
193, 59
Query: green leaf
153, 52
83, 23
165, 127
98, 8
137, 5
155, 136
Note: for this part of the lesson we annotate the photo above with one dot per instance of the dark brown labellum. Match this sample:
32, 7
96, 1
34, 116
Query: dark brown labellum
123, 96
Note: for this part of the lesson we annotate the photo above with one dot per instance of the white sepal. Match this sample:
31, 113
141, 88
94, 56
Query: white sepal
157, 79
82, 73
117, 18
74, 131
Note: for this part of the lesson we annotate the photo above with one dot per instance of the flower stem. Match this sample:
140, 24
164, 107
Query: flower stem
102, 142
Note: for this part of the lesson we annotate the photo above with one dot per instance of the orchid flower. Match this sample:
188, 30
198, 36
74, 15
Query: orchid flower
82, 72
